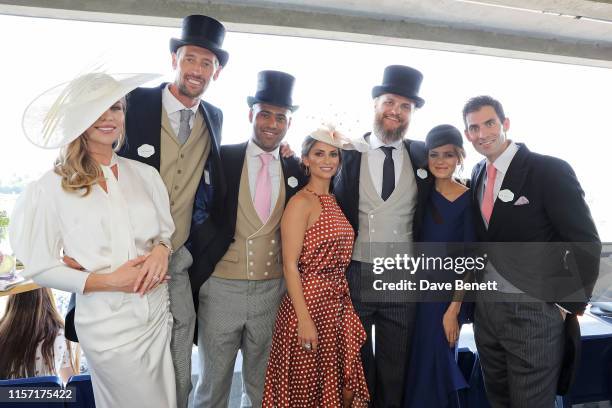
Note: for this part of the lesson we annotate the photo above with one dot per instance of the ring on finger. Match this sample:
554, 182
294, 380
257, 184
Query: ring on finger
307, 346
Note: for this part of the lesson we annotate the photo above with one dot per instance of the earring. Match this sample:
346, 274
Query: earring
307, 170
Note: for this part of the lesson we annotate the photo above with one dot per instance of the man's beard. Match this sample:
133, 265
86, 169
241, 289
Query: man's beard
185, 91
389, 136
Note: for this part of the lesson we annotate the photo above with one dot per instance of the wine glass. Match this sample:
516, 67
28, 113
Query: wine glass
7, 260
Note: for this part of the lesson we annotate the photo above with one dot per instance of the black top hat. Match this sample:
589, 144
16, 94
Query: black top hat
442, 135
403, 81
274, 88
205, 32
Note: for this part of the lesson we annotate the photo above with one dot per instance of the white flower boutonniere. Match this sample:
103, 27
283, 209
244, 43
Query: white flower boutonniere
292, 182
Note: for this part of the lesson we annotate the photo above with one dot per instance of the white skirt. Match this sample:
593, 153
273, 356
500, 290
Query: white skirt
139, 373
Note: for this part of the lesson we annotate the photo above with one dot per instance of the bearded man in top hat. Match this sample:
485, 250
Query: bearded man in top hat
383, 198
170, 128
238, 303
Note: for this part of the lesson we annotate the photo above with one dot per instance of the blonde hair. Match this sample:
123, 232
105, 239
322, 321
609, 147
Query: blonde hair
78, 170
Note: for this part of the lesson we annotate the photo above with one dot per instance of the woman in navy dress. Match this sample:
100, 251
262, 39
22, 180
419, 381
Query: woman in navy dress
433, 376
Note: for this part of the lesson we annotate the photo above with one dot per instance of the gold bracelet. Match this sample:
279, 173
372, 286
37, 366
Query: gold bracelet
168, 247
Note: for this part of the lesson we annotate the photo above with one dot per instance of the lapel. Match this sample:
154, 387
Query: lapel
292, 176
418, 158
514, 180
232, 160
477, 177
143, 124
212, 129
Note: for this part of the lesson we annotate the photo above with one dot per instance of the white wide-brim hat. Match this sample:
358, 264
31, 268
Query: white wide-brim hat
330, 135
61, 114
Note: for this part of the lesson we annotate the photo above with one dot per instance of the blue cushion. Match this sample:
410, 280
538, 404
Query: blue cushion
84, 391
33, 382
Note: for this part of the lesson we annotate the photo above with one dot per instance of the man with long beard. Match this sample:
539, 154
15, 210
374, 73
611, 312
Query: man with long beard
383, 196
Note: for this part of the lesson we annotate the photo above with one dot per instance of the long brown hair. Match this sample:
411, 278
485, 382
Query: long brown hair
31, 319
79, 171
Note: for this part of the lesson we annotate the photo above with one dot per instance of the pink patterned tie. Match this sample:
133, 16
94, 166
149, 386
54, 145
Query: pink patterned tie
487, 198
263, 188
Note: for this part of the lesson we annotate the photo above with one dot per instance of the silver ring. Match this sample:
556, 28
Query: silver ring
156, 277
307, 346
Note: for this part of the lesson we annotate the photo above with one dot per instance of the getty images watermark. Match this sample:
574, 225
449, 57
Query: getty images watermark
443, 266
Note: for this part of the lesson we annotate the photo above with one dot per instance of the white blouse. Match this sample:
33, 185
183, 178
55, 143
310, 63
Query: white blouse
101, 231
61, 357
48, 219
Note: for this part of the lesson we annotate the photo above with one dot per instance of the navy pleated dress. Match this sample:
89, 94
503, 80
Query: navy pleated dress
433, 376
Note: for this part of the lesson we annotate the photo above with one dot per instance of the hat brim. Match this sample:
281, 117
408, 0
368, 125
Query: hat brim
251, 100
381, 90
61, 114
221, 54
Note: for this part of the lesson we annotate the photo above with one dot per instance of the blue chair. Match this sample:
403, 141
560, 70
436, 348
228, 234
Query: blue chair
84, 391
50, 381
593, 381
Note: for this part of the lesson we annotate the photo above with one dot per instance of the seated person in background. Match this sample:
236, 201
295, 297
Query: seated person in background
32, 338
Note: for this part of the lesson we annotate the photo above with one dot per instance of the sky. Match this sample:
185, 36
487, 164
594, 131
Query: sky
556, 109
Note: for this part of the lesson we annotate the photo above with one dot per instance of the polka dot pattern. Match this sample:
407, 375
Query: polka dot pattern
298, 378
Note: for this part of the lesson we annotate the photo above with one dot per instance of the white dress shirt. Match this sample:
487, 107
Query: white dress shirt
376, 159
173, 108
254, 165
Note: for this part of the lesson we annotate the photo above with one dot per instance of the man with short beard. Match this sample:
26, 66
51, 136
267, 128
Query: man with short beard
383, 198
170, 128
238, 304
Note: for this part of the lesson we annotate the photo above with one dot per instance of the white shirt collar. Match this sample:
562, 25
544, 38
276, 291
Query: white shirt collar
253, 150
503, 161
173, 105
375, 142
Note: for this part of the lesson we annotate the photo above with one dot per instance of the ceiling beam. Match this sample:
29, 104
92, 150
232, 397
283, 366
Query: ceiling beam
316, 24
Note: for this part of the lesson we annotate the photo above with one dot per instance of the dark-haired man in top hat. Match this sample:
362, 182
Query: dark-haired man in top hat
173, 130
383, 198
238, 304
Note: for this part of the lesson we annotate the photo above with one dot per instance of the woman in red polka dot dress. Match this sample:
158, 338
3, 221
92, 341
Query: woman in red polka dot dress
315, 356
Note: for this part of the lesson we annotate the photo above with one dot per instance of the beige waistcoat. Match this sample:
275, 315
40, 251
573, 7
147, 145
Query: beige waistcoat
256, 252
181, 169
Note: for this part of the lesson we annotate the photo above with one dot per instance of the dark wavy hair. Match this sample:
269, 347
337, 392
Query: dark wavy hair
31, 319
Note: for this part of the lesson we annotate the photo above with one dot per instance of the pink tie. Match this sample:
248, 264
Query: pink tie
263, 188
487, 198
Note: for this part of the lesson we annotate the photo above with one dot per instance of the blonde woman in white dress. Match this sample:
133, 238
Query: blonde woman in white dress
111, 215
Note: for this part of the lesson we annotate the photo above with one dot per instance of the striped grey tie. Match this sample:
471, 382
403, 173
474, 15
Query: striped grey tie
184, 128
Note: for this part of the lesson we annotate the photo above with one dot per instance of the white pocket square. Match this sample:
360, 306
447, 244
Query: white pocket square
522, 200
